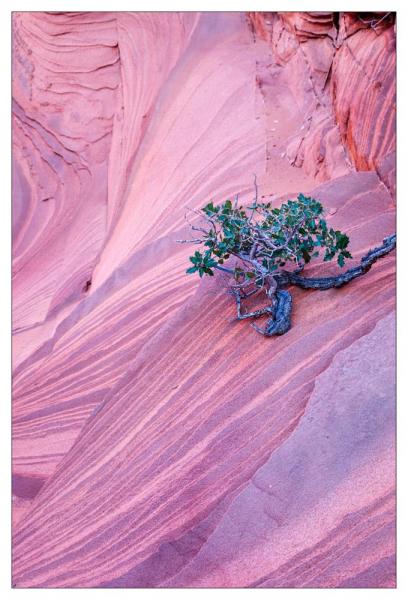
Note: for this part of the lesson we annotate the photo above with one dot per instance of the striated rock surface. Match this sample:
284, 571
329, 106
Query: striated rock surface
156, 440
340, 68
144, 276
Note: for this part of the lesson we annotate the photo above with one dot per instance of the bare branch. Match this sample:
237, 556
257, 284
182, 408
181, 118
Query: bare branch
375, 22
255, 204
196, 241
225, 269
325, 283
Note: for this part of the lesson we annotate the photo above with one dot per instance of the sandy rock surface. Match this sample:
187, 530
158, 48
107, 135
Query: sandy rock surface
157, 441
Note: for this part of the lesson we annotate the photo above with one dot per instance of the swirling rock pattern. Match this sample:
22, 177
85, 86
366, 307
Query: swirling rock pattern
157, 441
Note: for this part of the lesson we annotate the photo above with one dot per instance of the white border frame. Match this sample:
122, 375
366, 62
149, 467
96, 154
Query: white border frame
5, 253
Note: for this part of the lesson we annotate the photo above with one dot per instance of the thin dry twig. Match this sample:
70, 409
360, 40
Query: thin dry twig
375, 22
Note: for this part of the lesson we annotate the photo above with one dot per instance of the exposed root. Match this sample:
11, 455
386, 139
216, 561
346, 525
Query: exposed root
281, 301
267, 310
324, 283
280, 322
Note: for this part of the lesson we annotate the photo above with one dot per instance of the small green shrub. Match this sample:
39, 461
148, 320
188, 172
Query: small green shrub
265, 239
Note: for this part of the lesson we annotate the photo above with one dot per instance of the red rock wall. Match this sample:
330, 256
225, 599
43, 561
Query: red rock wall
341, 69
363, 90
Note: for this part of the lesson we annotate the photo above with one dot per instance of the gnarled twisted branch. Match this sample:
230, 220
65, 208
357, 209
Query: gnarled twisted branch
281, 301
324, 283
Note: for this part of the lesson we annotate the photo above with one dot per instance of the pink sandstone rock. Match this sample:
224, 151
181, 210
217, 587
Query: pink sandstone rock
341, 71
156, 440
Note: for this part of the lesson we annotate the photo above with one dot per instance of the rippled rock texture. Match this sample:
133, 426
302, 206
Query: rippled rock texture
157, 441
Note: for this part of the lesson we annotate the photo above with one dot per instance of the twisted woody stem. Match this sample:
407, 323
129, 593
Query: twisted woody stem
280, 307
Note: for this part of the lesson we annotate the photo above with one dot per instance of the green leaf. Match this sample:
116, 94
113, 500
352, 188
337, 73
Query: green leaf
209, 208
342, 240
196, 259
232, 233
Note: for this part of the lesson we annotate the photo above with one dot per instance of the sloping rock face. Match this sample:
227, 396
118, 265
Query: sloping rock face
156, 440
